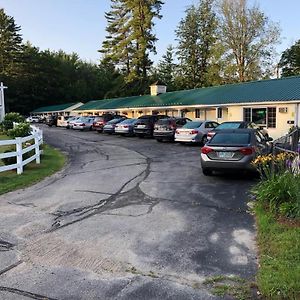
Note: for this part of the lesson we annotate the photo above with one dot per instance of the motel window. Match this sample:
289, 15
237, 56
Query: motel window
219, 113
264, 116
197, 113
272, 117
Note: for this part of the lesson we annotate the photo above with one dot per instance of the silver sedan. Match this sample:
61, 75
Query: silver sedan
83, 123
233, 150
195, 132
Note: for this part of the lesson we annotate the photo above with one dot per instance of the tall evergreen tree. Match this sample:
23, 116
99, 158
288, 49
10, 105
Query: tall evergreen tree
10, 44
130, 38
166, 69
117, 47
196, 35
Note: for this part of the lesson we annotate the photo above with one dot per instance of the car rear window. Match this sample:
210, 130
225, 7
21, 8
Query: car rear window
163, 122
114, 121
128, 121
229, 126
192, 125
234, 139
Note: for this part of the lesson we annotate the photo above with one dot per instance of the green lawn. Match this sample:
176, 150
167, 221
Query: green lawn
279, 250
52, 160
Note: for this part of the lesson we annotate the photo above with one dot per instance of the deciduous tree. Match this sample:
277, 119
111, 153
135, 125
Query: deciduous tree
290, 61
249, 38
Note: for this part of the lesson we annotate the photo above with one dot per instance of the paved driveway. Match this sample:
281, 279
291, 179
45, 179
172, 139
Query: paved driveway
128, 218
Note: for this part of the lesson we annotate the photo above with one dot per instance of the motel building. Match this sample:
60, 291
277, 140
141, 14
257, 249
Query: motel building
272, 104
60, 110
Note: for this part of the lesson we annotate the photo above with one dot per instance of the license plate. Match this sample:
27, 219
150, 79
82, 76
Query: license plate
225, 155
141, 126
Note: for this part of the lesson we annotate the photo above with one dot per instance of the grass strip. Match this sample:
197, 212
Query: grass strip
52, 160
279, 249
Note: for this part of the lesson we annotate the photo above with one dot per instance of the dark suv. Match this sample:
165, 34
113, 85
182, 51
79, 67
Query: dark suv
51, 121
144, 125
164, 129
100, 121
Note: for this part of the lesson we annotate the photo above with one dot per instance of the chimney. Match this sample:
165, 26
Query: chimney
157, 88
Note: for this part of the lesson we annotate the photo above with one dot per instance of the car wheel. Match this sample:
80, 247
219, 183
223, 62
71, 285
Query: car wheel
206, 171
159, 140
91, 128
204, 140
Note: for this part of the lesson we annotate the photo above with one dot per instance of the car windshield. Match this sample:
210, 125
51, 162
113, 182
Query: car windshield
192, 125
230, 139
233, 125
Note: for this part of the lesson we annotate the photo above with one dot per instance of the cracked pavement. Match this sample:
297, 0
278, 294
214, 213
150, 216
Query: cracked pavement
127, 218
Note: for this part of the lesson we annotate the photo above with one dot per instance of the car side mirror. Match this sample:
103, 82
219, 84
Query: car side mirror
269, 139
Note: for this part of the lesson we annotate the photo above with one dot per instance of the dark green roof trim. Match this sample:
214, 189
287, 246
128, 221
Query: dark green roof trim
284, 89
54, 108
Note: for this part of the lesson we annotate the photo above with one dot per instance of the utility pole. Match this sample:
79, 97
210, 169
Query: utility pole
2, 103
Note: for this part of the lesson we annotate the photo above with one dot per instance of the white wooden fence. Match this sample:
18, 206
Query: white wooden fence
37, 136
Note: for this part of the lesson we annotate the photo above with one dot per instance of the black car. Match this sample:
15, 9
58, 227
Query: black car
236, 125
164, 129
144, 125
51, 121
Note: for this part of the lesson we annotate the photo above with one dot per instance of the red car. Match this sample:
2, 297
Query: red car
100, 121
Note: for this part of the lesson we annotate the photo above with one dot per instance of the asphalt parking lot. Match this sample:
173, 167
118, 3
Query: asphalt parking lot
127, 218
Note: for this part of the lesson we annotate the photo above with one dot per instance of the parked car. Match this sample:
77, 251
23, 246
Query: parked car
83, 123
236, 125
144, 125
234, 149
62, 121
51, 121
164, 129
71, 121
125, 127
195, 132
109, 127
100, 121
33, 119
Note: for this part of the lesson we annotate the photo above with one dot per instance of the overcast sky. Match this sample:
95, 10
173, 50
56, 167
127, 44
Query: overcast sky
79, 25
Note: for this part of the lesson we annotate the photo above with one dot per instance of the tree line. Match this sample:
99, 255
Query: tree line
217, 42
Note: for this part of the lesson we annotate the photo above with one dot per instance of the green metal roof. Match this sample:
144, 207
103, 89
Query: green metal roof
54, 108
284, 89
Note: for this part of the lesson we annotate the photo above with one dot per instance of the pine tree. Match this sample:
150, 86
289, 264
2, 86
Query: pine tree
10, 44
166, 69
116, 47
130, 38
196, 34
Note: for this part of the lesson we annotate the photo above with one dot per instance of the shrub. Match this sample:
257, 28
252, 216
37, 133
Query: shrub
10, 118
21, 130
279, 189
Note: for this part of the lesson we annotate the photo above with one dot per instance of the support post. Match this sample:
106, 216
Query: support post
37, 148
19, 149
2, 103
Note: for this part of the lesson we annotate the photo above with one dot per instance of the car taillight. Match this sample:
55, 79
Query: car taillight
247, 150
177, 132
82, 124
125, 126
210, 134
193, 132
206, 150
